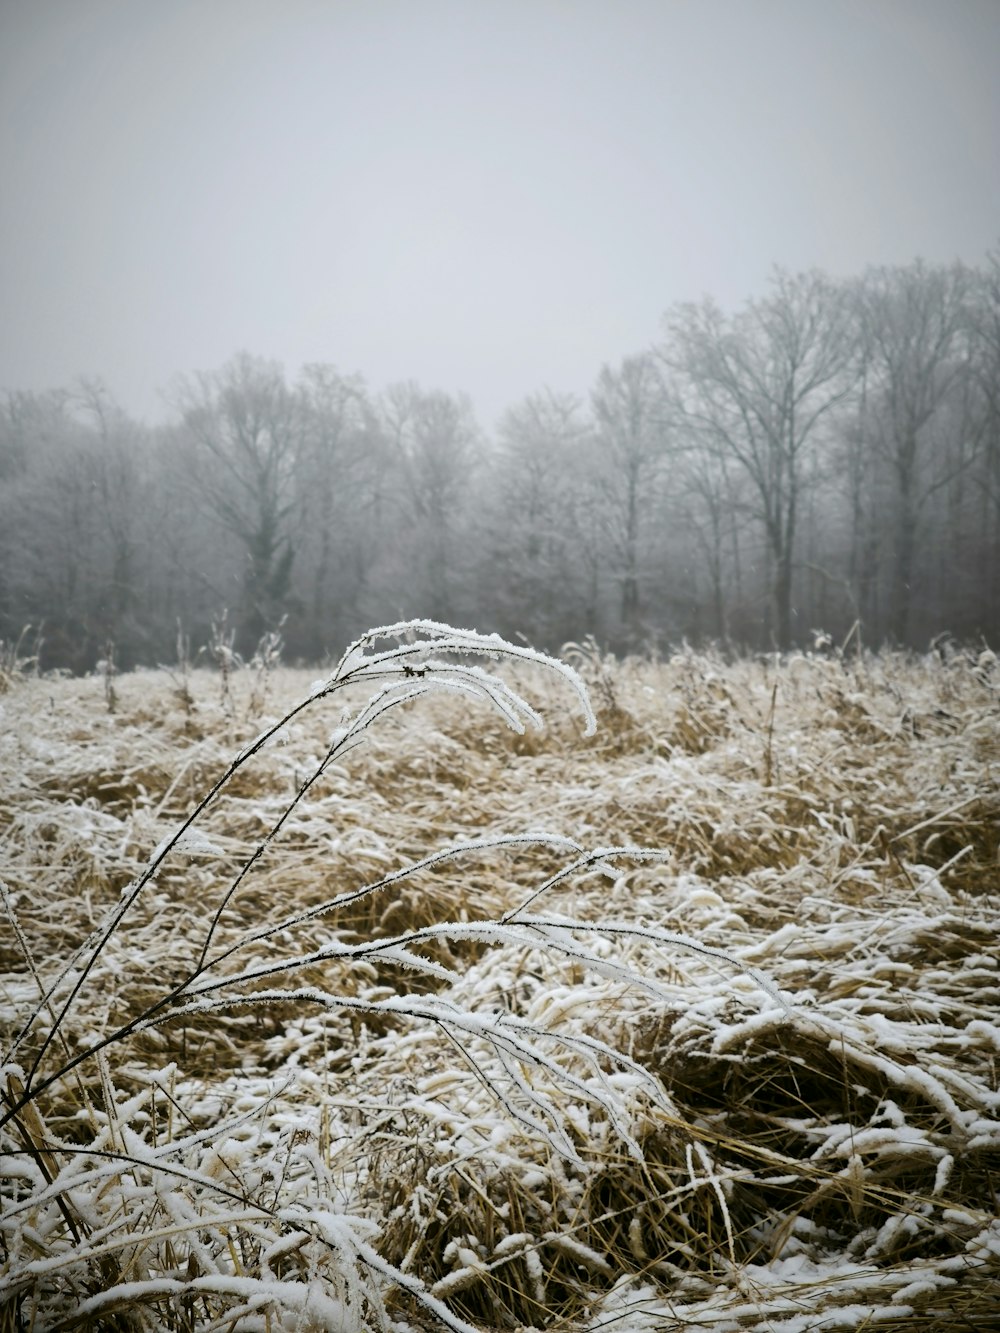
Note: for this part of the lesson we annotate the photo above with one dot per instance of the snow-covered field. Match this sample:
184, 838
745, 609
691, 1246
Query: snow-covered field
262, 1075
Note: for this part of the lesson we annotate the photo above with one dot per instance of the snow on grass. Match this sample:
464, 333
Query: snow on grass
394, 1017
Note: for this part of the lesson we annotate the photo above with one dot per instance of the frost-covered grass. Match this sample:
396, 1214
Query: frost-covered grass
408, 1029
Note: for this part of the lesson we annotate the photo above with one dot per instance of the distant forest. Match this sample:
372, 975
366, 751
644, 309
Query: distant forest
824, 460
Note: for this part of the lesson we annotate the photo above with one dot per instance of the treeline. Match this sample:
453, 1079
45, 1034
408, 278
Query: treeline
826, 458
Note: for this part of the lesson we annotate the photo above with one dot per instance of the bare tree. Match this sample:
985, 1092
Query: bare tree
758, 385
985, 364
117, 482
704, 504
434, 442
914, 324
245, 425
75, 499
630, 433
341, 479
30, 424
528, 567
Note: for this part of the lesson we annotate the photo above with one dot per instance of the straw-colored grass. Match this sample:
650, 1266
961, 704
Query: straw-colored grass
751, 1083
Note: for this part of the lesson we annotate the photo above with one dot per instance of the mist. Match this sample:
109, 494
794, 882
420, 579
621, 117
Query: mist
465, 282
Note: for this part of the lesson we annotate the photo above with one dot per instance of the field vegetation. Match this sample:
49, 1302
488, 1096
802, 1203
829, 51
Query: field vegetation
368, 1002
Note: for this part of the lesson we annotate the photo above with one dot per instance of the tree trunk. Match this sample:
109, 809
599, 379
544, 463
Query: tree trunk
904, 544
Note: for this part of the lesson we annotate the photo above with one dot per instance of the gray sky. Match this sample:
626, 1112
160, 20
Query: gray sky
482, 195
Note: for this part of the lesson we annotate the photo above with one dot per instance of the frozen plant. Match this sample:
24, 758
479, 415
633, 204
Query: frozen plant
16, 661
228, 1223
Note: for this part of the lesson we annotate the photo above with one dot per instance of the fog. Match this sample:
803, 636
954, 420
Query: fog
484, 198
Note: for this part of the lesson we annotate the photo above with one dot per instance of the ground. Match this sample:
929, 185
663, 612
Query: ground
280, 1079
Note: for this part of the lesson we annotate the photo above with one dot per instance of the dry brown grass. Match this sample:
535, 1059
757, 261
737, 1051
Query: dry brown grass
832, 824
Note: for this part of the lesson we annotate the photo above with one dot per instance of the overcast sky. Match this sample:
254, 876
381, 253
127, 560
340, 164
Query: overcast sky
482, 195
